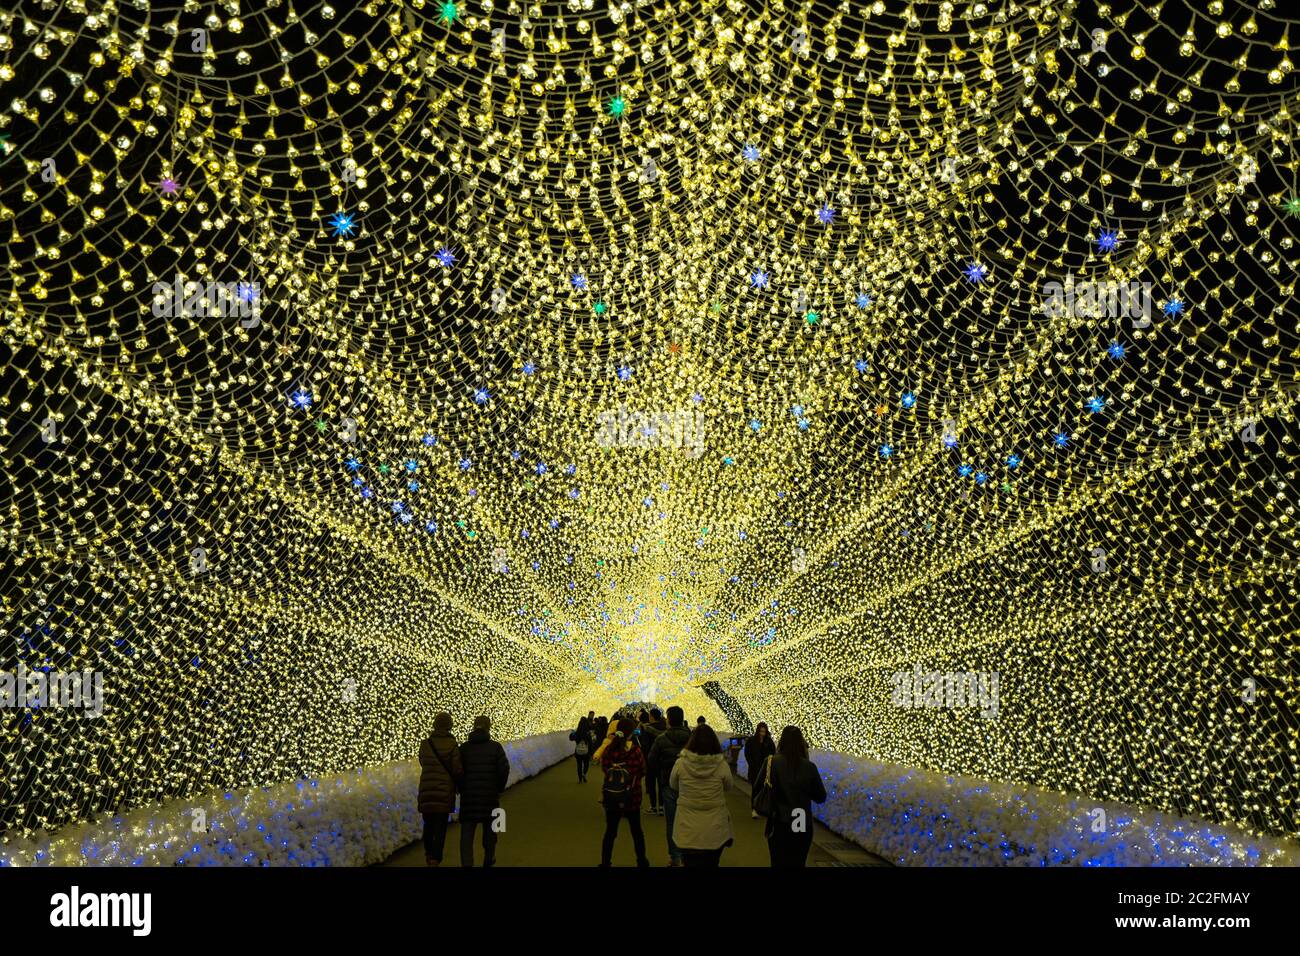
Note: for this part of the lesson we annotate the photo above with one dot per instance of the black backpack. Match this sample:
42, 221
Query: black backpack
617, 787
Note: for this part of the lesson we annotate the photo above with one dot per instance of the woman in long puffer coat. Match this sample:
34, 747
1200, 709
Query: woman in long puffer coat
440, 774
701, 776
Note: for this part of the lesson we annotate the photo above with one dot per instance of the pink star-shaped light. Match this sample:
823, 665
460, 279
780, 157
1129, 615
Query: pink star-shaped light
169, 186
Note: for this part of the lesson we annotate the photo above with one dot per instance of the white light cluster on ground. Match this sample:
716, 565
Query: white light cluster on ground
915, 817
351, 819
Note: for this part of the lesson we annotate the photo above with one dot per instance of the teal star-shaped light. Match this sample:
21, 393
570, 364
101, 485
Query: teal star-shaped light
617, 106
448, 13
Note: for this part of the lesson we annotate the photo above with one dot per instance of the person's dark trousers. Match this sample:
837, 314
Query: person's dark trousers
668, 796
467, 828
584, 764
612, 816
702, 857
652, 790
789, 850
435, 835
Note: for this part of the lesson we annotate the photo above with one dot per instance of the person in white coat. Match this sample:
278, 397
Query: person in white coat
701, 776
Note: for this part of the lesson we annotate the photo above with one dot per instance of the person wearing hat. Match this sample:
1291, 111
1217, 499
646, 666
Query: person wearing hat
440, 772
487, 771
624, 765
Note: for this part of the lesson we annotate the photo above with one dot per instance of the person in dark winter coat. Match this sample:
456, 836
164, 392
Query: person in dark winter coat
601, 726
757, 749
796, 785
486, 773
440, 773
584, 743
663, 754
624, 766
650, 731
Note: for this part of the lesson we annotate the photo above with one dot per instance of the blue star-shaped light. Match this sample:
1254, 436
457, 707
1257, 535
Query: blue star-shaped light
803, 424
412, 464
357, 483
578, 280
1107, 240
1174, 306
412, 486
431, 526
728, 460
908, 400
397, 506
1061, 439
247, 291
886, 451
529, 368
343, 224
624, 373
301, 399
796, 410
429, 440
965, 470
755, 425
1013, 461
541, 468
574, 493
648, 501
1096, 404
353, 463
758, 279
405, 517
1115, 350
863, 300
446, 257
537, 565
481, 396
554, 524
367, 492
825, 215
466, 464
975, 272
516, 455
697, 398
570, 469
861, 365
949, 441
750, 153
981, 477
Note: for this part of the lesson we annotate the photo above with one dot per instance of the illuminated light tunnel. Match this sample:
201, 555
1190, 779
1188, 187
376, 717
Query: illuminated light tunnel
922, 375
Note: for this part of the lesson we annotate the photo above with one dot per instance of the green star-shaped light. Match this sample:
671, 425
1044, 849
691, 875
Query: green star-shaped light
599, 308
811, 317
5, 144
617, 106
716, 307
321, 425
1292, 205
449, 13
383, 469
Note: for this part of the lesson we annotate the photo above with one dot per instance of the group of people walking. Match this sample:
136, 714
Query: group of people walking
478, 770
686, 778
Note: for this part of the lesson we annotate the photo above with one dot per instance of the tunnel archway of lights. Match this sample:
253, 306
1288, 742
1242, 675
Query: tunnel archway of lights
528, 359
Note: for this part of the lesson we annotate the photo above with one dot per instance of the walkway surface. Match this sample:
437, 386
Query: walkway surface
552, 820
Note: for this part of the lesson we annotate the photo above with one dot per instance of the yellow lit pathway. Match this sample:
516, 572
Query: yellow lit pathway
552, 820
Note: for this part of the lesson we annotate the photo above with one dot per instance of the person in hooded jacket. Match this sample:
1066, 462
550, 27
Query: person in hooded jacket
701, 776
440, 773
487, 771
650, 731
624, 765
757, 749
663, 755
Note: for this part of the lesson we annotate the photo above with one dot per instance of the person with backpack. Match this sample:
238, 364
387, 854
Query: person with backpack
584, 742
624, 766
650, 732
757, 749
487, 771
701, 776
795, 785
663, 755
440, 773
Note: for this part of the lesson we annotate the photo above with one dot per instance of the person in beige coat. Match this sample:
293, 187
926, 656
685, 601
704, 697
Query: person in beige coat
701, 776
